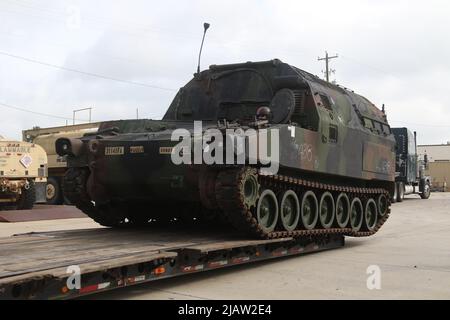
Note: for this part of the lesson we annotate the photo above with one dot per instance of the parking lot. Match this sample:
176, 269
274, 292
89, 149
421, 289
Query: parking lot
412, 252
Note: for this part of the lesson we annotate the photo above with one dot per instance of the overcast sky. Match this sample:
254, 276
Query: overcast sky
392, 52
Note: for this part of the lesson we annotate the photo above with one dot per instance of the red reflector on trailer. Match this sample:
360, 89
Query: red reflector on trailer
160, 270
95, 287
89, 289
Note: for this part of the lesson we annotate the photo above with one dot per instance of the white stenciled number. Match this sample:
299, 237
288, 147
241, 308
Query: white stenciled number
306, 152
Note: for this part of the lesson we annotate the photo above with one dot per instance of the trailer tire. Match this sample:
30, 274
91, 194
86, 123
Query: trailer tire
27, 198
400, 192
53, 191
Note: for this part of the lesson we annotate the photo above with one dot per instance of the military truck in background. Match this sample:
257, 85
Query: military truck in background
23, 173
410, 170
57, 166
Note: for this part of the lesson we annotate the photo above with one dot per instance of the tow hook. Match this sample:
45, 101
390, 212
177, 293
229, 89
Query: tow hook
27, 185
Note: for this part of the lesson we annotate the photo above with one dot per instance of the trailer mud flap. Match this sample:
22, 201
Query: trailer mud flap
41, 192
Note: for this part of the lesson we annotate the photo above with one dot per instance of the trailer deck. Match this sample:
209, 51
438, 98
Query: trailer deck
46, 265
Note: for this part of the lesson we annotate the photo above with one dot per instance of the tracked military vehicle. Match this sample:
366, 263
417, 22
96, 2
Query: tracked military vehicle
333, 150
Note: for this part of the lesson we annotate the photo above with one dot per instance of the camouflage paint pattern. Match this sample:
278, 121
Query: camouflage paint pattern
325, 130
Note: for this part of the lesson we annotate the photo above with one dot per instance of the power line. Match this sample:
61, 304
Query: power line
66, 45
442, 125
84, 72
37, 113
377, 69
95, 21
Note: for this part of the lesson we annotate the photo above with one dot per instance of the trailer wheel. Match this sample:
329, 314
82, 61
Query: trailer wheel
400, 192
53, 191
425, 195
27, 198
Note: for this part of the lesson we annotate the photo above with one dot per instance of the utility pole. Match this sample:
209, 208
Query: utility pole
327, 65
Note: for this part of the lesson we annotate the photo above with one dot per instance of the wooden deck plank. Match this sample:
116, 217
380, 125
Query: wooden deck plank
41, 251
61, 271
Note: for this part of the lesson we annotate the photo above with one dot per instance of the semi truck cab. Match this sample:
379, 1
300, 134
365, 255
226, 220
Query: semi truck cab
410, 170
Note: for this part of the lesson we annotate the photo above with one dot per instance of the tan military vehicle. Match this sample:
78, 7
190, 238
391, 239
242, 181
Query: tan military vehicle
23, 174
57, 166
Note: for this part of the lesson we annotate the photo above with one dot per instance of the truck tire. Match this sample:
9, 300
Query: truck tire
426, 194
395, 195
400, 192
53, 191
27, 198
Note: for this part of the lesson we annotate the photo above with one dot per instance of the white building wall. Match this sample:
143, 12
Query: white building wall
435, 152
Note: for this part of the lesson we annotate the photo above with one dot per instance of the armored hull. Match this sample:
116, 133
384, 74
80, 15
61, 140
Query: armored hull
318, 159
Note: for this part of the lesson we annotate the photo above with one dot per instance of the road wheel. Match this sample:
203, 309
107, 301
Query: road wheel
290, 210
327, 210
371, 215
309, 210
27, 198
53, 191
383, 205
267, 211
426, 194
343, 210
400, 192
356, 215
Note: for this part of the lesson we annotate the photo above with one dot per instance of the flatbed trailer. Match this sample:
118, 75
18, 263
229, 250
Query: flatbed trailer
72, 264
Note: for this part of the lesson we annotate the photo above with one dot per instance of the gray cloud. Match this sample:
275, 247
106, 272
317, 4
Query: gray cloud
391, 52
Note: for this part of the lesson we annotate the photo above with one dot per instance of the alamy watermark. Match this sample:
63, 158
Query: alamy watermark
73, 20
233, 146
74, 280
374, 279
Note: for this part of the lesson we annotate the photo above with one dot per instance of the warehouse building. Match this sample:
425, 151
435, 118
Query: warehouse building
439, 164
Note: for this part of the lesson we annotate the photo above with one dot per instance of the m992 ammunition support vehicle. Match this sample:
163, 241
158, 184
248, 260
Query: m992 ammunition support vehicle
333, 149
23, 174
